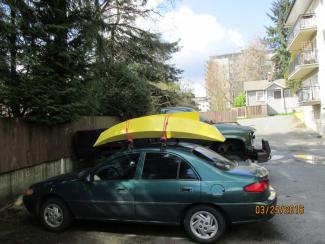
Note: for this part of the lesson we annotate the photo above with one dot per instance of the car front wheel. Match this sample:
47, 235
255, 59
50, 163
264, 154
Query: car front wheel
55, 215
204, 224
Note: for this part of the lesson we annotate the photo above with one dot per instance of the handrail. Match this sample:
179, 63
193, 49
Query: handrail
303, 57
304, 21
308, 94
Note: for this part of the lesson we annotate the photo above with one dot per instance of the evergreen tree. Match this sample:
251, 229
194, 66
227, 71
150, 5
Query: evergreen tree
47, 57
127, 95
277, 37
60, 59
138, 53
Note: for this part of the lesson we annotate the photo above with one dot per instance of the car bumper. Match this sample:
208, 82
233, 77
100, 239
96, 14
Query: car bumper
261, 155
31, 204
247, 212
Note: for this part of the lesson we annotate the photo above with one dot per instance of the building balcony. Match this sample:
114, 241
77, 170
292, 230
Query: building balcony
308, 96
302, 31
304, 63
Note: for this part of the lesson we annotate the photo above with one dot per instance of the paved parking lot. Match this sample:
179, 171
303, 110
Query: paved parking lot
297, 171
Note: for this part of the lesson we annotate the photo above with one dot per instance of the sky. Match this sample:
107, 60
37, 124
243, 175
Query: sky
205, 28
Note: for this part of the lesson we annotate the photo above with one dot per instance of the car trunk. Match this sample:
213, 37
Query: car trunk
250, 169
257, 174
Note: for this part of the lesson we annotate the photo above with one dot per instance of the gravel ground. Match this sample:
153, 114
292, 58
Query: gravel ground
297, 172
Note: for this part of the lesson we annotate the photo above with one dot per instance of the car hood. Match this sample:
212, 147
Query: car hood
234, 128
251, 170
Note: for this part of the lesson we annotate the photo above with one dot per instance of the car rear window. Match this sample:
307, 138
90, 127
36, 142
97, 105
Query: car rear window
214, 158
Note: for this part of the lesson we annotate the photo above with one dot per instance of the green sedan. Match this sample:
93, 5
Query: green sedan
179, 185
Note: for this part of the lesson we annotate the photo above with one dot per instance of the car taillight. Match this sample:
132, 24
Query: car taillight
257, 187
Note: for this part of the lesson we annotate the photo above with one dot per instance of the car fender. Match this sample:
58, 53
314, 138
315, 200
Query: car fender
217, 190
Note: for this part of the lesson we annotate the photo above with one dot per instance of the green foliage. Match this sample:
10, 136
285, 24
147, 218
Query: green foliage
149, 54
294, 85
126, 94
45, 57
63, 59
170, 95
130, 59
277, 37
240, 100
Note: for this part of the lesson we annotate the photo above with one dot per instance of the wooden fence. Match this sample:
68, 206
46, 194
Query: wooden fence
256, 111
24, 145
235, 113
220, 116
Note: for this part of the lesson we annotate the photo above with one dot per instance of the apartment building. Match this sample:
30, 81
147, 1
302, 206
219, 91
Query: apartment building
218, 77
221, 78
306, 43
202, 103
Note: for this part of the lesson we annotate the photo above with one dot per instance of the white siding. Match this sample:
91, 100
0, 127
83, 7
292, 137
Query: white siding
280, 105
312, 117
251, 99
320, 39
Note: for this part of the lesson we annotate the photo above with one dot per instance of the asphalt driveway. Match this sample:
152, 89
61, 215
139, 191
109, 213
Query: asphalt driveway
297, 171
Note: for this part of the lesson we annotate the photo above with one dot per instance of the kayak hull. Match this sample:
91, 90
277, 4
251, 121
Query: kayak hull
178, 125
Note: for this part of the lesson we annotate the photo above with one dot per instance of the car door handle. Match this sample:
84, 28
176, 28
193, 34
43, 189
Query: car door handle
121, 189
186, 189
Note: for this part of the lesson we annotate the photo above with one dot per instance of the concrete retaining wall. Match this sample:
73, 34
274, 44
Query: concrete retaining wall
12, 184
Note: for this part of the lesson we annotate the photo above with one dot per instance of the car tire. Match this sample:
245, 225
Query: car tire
201, 231
55, 215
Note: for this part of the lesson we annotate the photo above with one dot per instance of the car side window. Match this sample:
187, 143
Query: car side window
165, 166
160, 166
118, 169
186, 172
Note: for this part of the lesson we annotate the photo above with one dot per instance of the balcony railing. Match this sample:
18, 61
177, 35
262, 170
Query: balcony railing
304, 57
308, 94
304, 21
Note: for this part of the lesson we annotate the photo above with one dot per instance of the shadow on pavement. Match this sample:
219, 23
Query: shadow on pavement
17, 226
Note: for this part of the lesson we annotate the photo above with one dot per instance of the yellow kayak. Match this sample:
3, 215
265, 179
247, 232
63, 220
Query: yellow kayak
177, 125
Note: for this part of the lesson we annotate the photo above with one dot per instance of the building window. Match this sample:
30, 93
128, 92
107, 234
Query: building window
277, 94
288, 93
260, 96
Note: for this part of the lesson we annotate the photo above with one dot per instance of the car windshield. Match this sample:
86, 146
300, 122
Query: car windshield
214, 158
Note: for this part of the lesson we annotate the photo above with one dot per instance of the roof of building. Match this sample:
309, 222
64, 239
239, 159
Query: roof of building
258, 85
225, 55
235, 54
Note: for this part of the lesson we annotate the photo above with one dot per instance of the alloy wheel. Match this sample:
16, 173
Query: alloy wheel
204, 225
53, 215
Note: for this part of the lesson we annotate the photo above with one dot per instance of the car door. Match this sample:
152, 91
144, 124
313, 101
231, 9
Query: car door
167, 185
110, 191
